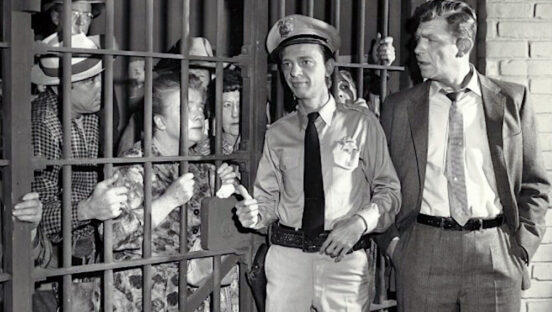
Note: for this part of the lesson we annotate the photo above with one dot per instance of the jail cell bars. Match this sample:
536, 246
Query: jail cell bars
18, 162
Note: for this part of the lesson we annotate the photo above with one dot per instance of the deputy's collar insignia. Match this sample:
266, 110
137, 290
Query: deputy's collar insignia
285, 27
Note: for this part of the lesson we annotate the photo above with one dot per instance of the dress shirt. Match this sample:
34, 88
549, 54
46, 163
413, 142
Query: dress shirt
358, 175
483, 201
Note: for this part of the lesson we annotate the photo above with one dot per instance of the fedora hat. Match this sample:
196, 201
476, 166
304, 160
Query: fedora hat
47, 71
96, 10
199, 46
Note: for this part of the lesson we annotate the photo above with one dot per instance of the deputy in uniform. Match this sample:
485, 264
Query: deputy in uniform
324, 182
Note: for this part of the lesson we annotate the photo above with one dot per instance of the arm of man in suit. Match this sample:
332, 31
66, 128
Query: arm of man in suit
533, 197
388, 239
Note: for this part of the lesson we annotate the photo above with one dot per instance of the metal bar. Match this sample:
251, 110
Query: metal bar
218, 86
243, 286
308, 7
384, 33
183, 150
216, 285
4, 162
360, 51
16, 140
40, 48
336, 21
372, 66
108, 286
147, 270
382, 296
4, 44
97, 267
279, 82
39, 162
67, 170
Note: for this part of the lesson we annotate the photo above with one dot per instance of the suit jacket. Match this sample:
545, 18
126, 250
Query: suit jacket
522, 182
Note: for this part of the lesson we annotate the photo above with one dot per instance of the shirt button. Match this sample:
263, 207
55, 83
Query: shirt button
195, 230
196, 212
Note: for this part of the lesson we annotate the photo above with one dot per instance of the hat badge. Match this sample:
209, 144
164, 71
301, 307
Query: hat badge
285, 27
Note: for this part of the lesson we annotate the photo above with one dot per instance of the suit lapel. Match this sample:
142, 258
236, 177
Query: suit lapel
494, 106
418, 118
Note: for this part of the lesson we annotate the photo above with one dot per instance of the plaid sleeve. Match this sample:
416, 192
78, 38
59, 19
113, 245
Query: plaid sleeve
46, 137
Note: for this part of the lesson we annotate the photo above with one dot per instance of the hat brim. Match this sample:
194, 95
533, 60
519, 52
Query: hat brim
174, 65
96, 6
40, 78
312, 39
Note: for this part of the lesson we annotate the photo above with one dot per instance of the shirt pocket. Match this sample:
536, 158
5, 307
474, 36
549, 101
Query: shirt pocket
292, 173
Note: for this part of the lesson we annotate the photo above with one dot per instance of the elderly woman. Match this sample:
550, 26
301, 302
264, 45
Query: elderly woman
231, 99
169, 192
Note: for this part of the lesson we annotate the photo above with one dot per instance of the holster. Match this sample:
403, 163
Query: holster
256, 277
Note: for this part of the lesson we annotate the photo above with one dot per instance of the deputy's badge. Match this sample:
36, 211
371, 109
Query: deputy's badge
285, 27
346, 153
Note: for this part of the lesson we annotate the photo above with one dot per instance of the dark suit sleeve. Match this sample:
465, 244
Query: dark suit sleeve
533, 198
386, 120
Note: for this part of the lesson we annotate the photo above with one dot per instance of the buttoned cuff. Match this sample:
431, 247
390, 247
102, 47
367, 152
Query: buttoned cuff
370, 215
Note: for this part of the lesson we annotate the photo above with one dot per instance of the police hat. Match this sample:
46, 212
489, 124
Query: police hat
294, 29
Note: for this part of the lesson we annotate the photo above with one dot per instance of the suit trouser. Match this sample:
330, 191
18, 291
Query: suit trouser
299, 281
439, 270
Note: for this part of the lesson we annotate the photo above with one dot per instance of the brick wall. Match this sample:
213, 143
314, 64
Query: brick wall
515, 44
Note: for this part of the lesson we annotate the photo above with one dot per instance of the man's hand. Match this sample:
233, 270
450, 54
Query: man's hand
29, 209
105, 202
383, 52
344, 235
247, 209
180, 191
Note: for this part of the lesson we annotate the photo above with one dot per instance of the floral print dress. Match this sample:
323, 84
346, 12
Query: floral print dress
128, 236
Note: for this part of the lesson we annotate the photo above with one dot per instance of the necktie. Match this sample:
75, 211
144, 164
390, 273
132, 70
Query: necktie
458, 199
313, 213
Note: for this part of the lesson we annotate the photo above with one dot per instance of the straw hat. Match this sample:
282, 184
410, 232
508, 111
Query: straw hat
199, 46
47, 71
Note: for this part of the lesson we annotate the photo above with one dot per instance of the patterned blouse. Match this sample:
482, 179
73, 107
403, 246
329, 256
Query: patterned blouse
128, 236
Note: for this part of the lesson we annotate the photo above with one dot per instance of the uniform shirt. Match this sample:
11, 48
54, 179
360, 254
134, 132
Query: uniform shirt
47, 138
358, 175
480, 179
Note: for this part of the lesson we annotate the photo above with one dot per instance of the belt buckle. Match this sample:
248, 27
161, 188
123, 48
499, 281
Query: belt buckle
442, 223
479, 225
309, 245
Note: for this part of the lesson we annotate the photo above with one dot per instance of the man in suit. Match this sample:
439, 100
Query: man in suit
473, 186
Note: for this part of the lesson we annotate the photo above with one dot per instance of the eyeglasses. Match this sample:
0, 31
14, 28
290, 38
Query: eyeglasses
84, 16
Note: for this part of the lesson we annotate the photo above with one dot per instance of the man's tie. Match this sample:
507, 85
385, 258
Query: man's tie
313, 214
458, 199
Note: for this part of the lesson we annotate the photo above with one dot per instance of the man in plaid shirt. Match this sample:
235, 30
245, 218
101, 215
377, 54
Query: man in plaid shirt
90, 200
